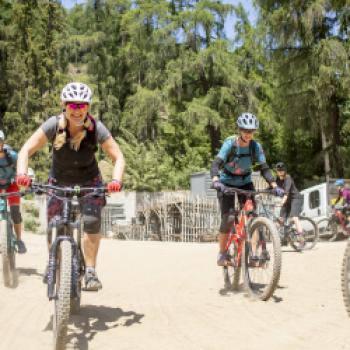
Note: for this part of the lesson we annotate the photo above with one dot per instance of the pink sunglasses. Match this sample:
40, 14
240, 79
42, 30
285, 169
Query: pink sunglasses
76, 105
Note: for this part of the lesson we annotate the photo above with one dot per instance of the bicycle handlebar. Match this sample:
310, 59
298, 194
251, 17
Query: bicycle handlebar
67, 191
232, 190
9, 194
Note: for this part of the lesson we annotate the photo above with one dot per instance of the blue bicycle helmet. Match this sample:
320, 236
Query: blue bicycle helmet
339, 182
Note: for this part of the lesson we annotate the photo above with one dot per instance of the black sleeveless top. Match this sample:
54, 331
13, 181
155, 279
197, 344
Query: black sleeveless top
75, 167
70, 167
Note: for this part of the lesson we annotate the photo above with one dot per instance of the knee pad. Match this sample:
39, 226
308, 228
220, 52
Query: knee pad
92, 224
15, 214
227, 222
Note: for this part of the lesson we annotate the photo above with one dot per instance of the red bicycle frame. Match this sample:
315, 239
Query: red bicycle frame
342, 221
238, 232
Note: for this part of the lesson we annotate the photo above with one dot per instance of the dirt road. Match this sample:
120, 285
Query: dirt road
168, 296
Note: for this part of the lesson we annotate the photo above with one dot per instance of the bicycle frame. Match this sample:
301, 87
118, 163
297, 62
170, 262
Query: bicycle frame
65, 225
275, 218
4, 215
342, 220
69, 221
238, 233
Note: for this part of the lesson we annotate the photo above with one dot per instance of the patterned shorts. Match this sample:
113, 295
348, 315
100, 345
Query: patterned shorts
90, 206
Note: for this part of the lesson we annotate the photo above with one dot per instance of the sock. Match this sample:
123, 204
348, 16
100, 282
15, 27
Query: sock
90, 269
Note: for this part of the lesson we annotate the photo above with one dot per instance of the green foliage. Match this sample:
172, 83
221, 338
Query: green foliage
31, 210
169, 85
30, 225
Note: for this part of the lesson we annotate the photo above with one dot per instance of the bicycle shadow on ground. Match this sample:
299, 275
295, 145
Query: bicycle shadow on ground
227, 291
29, 272
93, 319
291, 250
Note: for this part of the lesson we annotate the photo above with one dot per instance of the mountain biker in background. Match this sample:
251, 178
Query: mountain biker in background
292, 201
75, 135
236, 159
344, 196
8, 159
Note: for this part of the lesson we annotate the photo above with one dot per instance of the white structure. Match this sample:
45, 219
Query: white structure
126, 201
317, 200
40, 202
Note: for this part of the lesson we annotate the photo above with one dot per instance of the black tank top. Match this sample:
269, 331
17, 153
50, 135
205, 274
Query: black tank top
70, 167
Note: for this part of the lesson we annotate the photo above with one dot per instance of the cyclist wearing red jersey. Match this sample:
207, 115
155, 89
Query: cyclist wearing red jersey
8, 160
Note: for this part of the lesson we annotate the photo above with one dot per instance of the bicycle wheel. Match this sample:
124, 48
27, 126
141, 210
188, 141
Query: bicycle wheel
261, 259
328, 228
232, 273
309, 238
8, 256
63, 294
75, 303
345, 278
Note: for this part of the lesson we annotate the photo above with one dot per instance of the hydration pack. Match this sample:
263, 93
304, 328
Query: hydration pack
233, 152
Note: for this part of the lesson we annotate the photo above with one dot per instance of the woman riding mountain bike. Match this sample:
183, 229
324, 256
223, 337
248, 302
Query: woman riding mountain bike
236, 158
344, 197
75, 135
292, 200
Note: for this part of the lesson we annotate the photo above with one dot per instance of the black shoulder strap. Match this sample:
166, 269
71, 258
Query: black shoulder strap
93, 139
252, 151
233, 151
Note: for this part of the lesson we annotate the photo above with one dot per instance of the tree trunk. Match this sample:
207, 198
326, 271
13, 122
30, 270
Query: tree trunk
325, 145
214, 134
337, 162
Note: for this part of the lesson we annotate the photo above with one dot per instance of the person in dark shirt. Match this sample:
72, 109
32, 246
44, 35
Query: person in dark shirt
75, 136
292, 201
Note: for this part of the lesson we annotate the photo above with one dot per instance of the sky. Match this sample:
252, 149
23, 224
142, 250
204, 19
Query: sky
229, 26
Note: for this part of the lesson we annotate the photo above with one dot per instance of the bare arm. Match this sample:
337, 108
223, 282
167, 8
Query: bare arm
33, 144
111, 148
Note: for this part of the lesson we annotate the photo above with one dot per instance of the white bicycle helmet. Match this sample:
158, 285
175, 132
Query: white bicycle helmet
248, 121
2, 135
76, 92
